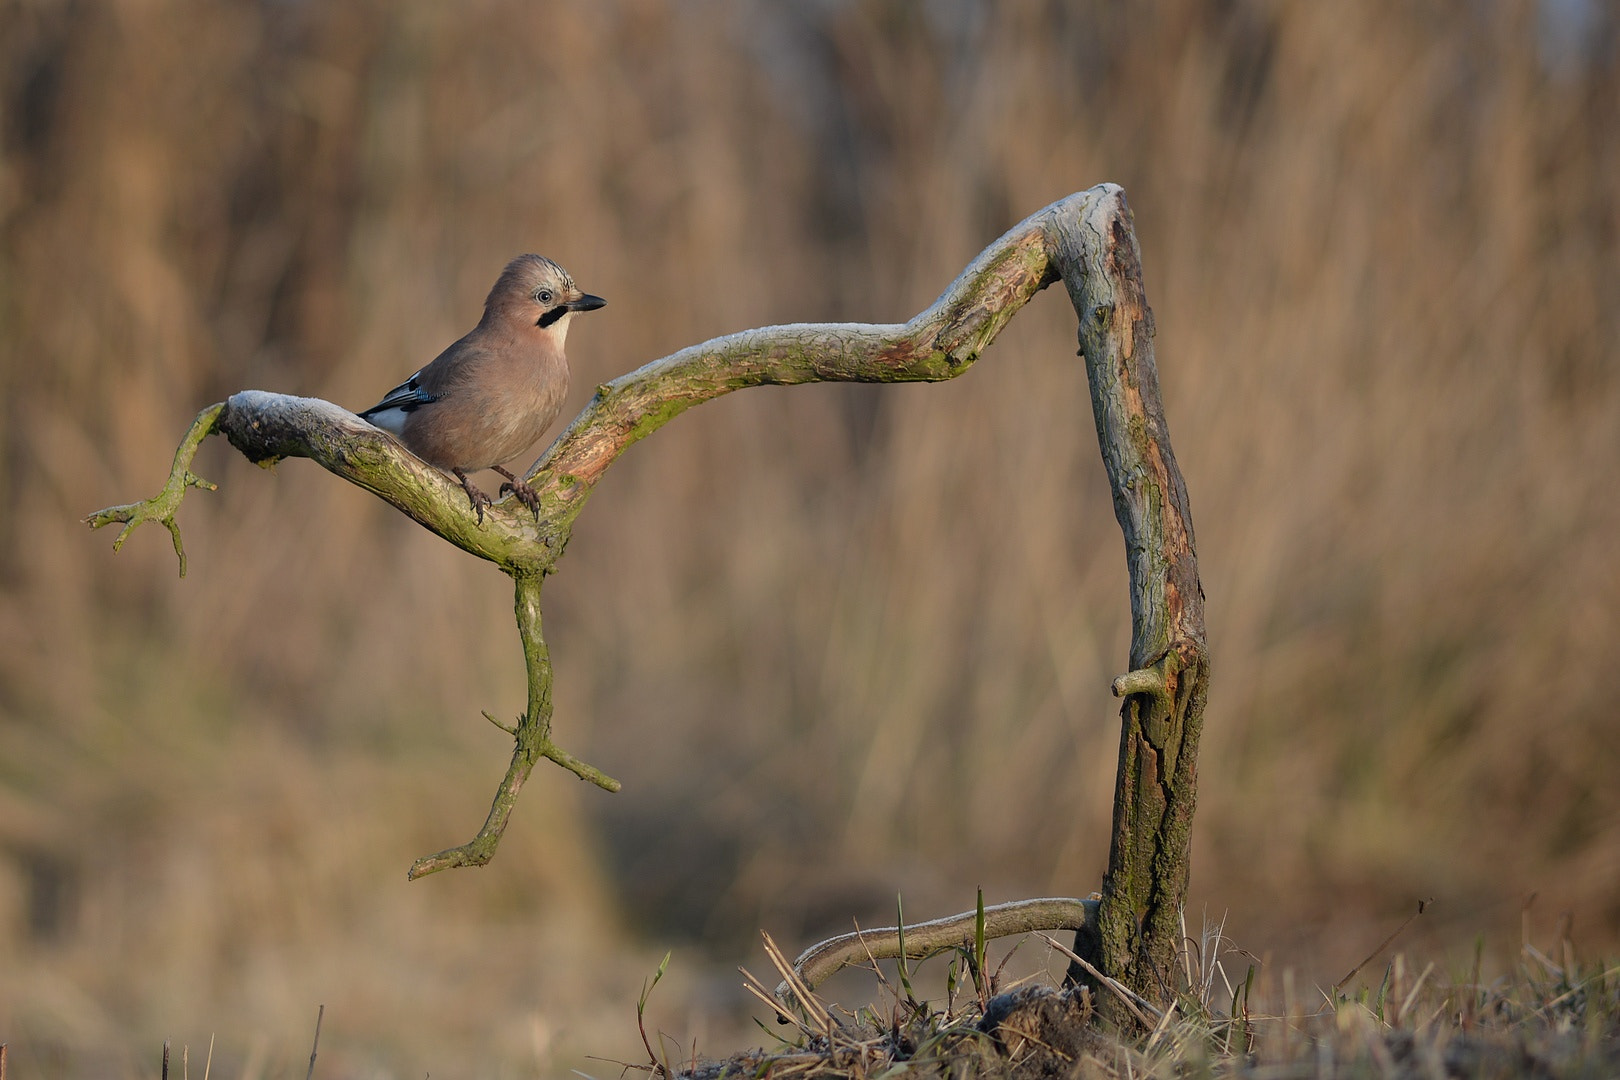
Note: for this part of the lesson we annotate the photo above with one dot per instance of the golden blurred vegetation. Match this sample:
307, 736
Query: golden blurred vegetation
839, 642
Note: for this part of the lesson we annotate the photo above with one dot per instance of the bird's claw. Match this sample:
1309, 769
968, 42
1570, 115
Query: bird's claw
520, 487
525, 495
478, 498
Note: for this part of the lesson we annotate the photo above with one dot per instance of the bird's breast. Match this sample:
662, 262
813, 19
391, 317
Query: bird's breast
497, 410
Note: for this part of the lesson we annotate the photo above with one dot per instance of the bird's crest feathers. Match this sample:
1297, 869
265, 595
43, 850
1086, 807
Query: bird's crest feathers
525, 275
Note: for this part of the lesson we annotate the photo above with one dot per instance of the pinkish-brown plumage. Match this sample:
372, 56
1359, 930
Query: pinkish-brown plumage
492, 394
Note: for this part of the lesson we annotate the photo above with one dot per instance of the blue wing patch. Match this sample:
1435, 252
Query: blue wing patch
406, 397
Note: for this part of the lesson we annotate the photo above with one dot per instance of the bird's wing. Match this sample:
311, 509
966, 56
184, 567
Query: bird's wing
405, 397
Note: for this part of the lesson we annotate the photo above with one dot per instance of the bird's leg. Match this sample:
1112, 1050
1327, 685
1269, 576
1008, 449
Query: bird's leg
520, 487
479, 499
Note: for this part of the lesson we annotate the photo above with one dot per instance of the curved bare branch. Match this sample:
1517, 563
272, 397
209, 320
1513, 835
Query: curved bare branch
1087, 241
921, 940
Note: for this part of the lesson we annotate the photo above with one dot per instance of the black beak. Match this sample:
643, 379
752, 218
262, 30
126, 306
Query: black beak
586, 303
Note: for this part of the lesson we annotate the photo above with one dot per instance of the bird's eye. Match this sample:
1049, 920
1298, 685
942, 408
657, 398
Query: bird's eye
544, 296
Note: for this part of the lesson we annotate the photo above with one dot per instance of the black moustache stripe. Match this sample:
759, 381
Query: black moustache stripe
551, 316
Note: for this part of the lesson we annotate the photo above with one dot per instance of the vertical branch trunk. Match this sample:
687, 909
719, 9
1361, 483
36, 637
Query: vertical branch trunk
536, 657
531, 738
1139, 926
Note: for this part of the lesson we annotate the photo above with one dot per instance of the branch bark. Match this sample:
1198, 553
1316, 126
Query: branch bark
1155, 789
1087, 241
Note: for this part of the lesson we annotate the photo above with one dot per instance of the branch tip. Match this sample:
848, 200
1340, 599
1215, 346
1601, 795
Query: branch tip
552, 752
163, 506
474, 853
179, 548
512, 731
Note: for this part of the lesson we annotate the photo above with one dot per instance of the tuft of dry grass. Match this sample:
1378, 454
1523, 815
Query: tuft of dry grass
1546, 1018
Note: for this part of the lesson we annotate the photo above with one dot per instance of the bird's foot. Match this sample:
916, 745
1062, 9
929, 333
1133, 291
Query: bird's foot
479, 499
520, 487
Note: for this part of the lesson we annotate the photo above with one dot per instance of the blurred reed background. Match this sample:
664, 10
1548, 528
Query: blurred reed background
839, 642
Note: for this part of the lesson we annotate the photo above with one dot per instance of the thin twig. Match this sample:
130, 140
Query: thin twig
1133, 1001
752, 984
316, 1045
512, 731
791, 979
1186, 949
1422, 906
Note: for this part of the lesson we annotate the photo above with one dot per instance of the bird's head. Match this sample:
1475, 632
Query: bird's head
537, 291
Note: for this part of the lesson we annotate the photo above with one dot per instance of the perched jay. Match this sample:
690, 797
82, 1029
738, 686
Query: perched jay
491, 395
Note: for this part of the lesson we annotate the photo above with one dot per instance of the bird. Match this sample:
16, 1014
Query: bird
494, 392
